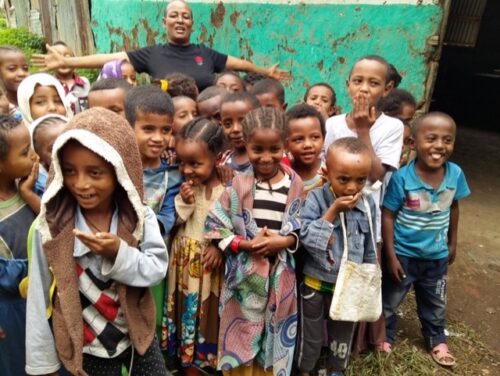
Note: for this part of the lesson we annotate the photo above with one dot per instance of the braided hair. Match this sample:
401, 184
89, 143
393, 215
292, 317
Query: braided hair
205, 131
264, 118
7, 124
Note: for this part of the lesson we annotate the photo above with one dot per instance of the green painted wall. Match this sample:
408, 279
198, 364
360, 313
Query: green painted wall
316, 42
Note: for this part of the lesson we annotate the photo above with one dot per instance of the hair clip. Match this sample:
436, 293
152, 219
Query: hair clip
163, 85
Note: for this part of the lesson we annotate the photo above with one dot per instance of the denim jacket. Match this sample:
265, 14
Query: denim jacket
323, 240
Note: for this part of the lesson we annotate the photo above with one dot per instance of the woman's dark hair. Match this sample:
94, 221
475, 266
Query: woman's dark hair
392, 103
264, 118
206, 131
303, 110
7, 124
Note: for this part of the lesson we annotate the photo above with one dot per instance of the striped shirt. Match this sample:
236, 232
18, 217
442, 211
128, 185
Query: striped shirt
422, 212
270, 202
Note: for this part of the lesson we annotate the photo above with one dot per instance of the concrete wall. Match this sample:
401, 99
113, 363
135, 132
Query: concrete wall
315, 40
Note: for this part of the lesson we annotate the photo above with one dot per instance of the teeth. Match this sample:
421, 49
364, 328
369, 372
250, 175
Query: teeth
436, 156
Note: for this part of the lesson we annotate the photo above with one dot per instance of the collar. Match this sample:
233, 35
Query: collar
78, 80
81, 249
413, 182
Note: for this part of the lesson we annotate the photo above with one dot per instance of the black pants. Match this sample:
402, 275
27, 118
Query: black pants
151, 363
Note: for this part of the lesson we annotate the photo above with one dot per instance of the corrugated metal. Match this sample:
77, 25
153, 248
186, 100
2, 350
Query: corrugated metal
464, 22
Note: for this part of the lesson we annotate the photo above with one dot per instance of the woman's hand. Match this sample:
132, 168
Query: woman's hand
277, 74
51, 60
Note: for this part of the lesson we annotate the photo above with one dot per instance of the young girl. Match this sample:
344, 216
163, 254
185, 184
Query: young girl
41, 94
194, 279
306, 133
323, 98
16, 161
184, 111
119, 69
233, 109
76, 87
44, 132
401, 104
102, 248
254, 224
13, 69
231, 81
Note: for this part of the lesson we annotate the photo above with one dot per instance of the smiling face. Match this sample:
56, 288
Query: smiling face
13, 69
230, 82
152, 132
88, 177
20, 156
196, 163
232, 114
265, 148
305, 140
347, 172
368, 80
178, 22
112, 99
46, 100
434, 142
185, 110
320, 97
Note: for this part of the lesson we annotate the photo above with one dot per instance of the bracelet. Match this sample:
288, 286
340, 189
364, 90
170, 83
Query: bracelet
235, 243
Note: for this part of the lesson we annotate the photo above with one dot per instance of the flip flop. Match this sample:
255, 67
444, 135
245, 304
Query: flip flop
442, 356
384, 347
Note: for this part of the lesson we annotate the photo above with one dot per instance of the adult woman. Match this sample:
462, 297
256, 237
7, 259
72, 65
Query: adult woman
177, 55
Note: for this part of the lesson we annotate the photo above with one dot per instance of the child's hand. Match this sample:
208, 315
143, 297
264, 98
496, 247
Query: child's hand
26, 184
225, 174
187, 193
169, 153
452, 252
345, 203
101, 243
395, 270
211, 258
52, 60
363, 115
268, 243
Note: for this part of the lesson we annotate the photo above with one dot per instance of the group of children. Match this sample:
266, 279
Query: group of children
215, 240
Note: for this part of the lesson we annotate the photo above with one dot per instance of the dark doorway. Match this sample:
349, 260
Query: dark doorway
468, 82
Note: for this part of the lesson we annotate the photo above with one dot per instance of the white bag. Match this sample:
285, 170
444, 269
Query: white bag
357, 295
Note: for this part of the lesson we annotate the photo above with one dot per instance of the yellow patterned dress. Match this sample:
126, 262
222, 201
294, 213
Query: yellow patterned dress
190, 325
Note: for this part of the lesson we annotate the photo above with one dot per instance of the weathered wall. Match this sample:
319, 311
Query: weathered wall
315, 40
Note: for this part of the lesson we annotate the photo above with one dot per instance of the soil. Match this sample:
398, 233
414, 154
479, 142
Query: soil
474, 278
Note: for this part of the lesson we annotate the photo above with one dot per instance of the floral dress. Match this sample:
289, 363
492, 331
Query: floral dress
190, 322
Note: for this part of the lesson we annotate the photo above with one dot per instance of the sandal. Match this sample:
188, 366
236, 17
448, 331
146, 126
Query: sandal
384, 347
442, 356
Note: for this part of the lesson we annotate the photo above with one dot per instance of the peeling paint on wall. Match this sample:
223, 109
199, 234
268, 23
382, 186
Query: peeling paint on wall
315, 40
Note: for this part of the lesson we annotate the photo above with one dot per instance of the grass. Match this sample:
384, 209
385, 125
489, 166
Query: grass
408, 356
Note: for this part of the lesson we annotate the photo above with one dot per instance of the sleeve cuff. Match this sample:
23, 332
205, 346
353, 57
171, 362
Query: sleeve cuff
224, 243
108, 267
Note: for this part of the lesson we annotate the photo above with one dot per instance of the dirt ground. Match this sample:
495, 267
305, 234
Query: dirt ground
474, 278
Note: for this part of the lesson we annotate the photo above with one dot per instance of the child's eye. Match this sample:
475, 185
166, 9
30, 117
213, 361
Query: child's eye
361, 180
95, 173
67, 171
342, 179
166, 130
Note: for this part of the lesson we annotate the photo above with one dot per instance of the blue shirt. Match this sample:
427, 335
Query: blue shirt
422, 213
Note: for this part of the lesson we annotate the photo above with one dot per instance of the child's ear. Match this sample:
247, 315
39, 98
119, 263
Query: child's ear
388, 87
411, 143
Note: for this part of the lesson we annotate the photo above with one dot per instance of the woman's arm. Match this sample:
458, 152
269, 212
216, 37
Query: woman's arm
54, 60
233, 63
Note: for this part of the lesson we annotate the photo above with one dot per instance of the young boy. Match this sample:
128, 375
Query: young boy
323, 98
17, 160
420, 223
270, 93
13, 69
109, 93
209, 101
306, 133
348, 163
102, 248
150, 111
233, 109
76, 87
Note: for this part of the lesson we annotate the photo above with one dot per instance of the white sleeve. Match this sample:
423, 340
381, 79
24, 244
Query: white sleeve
144, 266
388, 150
41, 354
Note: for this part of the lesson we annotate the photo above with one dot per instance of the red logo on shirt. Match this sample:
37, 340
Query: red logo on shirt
413, 203
198, 60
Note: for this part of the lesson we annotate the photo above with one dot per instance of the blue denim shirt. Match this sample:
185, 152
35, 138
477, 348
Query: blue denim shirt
323, 240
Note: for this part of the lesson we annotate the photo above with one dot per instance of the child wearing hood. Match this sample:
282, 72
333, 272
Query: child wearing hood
102, 249
41, 94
